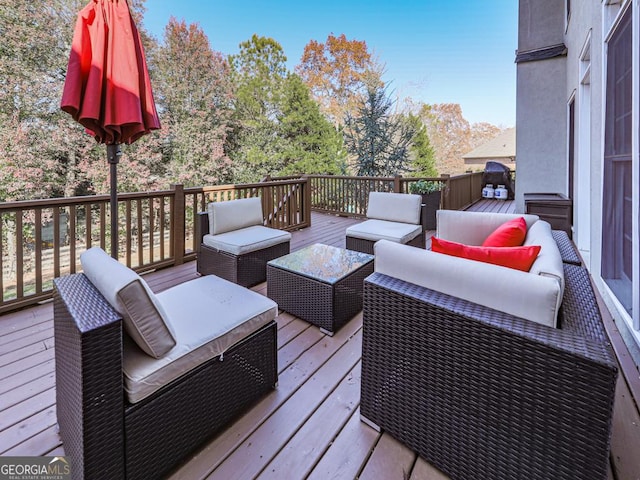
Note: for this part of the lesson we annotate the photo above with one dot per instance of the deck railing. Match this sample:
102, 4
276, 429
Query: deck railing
43, 239
344, 195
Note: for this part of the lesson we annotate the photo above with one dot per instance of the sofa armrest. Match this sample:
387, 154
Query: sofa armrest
89, 386
466, 386
471, 228
522, 294
202, 228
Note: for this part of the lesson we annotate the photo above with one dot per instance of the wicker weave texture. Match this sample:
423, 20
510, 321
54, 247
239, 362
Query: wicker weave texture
162, 430
108, 438
568, 250
247, 269
481, 394
89, 387
328, 306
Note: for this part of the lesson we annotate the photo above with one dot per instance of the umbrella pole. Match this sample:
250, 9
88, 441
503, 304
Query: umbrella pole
113, 157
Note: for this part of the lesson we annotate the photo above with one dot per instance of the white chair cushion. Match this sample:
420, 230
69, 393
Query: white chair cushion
472, 228
395, 207
522, 294
247, 239
144, 318
209, 315
234, 214
375, 230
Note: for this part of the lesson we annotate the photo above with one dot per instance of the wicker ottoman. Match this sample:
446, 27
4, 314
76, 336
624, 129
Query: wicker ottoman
320, 284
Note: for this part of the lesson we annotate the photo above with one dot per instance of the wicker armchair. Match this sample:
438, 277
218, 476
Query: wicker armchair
482, 394
107, 436
397, 217
234, 244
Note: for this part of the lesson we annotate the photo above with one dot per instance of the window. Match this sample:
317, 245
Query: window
617, 228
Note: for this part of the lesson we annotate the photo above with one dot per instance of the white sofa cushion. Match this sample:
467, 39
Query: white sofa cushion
209, 315
394, 207
234, 214
472, 228
522, 294
549, 261
144, 318
247, 239
375, 230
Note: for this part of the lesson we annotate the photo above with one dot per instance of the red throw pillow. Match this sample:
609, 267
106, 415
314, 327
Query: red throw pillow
509, 234
520, 258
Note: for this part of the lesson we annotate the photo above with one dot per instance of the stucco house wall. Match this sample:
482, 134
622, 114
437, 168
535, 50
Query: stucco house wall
541, 145
545, 89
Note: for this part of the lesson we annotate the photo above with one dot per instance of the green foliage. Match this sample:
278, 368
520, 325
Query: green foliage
313, 145
425, 186
378, 140
278, 128
195, 97
422, 153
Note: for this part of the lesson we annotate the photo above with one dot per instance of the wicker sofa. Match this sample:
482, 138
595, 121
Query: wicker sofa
142, 380
480, 393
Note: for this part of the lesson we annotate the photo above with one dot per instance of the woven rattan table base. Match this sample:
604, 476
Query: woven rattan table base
328, 306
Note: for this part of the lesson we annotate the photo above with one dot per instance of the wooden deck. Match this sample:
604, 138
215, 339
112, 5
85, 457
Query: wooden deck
308, 427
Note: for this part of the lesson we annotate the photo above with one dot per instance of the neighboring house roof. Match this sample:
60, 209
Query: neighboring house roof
501, 147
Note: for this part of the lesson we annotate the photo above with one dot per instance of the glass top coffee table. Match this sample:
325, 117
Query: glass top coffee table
320, 283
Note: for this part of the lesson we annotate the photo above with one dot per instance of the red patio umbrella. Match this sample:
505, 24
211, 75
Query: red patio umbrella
107, 87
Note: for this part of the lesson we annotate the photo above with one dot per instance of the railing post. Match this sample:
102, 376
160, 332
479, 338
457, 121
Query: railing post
306, 199
397, 184
178, 215
446, 203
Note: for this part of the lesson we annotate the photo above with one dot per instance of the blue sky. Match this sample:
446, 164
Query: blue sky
435, 51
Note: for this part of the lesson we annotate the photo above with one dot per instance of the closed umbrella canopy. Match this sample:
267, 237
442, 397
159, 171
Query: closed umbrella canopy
107, 87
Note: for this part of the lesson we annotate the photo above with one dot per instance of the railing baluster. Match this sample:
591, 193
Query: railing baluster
194, 216
87, 224
103, 225
56, 242
128, 232
172, 203
38, 249
151, 229
162, 235
140, 228
19, 255
72, 239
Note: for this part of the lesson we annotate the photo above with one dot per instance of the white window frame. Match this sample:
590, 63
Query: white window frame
613, 10
582, 165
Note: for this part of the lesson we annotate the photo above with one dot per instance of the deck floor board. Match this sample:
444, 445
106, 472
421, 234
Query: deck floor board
308, 427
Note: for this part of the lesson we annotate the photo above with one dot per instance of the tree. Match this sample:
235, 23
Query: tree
195, 95
278, 128
379, 141
452, 135
312, 144
258, 73
337, 72
422, 153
